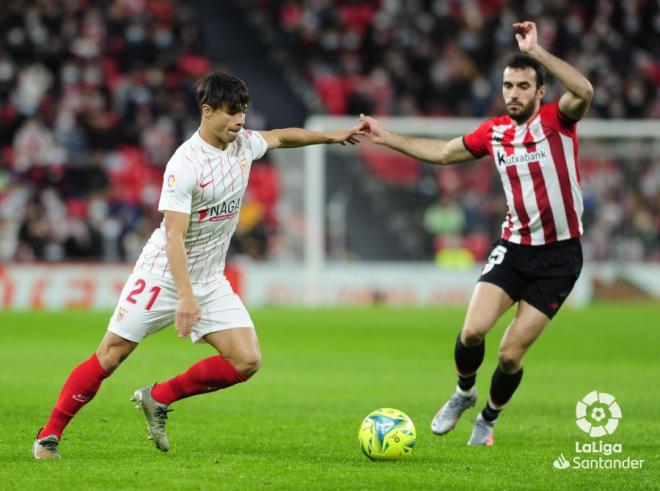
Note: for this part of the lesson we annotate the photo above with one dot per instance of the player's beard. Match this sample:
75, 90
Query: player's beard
521, 114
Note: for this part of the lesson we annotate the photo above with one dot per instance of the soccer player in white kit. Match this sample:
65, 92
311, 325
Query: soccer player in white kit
179, 275
538, 257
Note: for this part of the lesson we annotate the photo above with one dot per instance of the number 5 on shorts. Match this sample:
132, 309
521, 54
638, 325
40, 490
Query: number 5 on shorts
140, 285
496, 257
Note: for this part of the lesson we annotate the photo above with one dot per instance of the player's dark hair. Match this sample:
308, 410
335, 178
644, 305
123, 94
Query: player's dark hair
522, 60
220, 90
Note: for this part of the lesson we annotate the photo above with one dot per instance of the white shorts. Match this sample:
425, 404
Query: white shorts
147, 304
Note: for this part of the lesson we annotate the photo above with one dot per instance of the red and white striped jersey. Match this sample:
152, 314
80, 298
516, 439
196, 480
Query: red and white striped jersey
208, 184
537, 163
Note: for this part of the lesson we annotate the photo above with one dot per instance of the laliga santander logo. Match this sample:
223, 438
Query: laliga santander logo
598, 414
171, 181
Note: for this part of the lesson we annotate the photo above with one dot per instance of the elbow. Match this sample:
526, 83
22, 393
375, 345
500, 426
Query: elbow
169, 236
588, 93
168, 244
172, 239
441, 159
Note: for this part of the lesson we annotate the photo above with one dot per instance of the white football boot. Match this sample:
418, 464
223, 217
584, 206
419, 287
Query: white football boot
46, 448
155, 414
446, 418
482, 432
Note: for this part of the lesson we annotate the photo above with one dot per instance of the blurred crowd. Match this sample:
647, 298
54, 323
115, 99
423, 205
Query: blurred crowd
96, 95
94, 98
444, 57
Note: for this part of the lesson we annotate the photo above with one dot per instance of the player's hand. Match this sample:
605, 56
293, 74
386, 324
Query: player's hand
526, 35
372, 129
343, 136
187, 315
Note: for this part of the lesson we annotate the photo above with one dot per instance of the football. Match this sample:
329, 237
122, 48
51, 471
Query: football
387, 434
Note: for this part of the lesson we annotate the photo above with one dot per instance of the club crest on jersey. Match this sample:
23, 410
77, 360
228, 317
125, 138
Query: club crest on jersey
243, 163
223, 211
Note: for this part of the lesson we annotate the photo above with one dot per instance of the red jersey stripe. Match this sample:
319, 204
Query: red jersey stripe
518, 202
557, 151
507, 140
547, 220
506, 234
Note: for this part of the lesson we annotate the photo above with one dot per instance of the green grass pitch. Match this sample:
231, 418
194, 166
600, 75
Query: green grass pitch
294, 426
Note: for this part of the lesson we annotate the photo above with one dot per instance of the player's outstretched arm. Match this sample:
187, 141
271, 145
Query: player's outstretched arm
300, 137
428, 149
573, 103
187, 310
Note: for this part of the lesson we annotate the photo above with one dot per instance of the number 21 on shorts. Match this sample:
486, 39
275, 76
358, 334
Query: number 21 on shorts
140, 285
496, 257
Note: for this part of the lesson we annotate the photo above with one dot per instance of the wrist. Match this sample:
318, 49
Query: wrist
186, 295
536, 52
392, 140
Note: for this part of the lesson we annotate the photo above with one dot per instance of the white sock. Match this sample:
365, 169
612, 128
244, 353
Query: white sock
466, 393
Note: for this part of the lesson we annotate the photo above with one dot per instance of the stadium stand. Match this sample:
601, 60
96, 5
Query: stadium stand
444, 58
95, 96
422, 57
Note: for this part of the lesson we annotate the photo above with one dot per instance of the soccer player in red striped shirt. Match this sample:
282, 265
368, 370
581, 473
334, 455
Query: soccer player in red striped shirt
538, 257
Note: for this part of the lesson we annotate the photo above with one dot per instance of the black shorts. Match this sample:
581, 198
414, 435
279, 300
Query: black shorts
542, 276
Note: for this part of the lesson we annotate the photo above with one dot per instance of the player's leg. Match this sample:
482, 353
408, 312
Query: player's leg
237, 360
550, 275
141, 310
227, 326
488, 303
79, 388
525, 328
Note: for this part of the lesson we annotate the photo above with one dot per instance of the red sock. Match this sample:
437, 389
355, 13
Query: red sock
208, 375
81, 386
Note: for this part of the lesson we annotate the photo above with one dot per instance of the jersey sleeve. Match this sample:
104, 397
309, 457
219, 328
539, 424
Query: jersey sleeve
256, 143
178, 185
558, 119
477, 142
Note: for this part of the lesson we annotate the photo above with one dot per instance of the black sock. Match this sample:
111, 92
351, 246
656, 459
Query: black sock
502, 387
468, 359
490, 414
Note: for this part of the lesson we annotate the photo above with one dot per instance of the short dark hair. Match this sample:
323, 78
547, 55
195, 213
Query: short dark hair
522, 60
220, 90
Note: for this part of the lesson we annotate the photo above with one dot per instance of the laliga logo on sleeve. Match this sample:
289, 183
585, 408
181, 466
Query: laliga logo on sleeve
598, 414
171, 181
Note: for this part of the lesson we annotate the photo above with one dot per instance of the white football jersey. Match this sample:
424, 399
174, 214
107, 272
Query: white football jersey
208, 184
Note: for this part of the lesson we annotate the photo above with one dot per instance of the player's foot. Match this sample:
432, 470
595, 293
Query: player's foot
156, 415
46, 448
447, 417
482, 432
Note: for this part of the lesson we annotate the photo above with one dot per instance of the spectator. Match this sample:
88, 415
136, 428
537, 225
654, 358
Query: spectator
94, 98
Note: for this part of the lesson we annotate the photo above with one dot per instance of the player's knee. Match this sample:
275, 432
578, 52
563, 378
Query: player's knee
110, 359
471, 336
248, 364
510, 359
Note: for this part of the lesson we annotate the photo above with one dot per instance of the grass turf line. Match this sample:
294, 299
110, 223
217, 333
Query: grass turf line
294, 426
